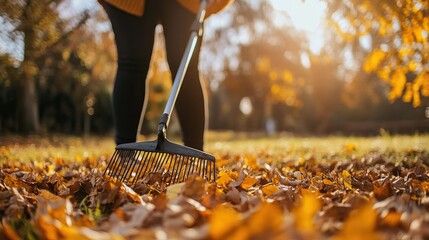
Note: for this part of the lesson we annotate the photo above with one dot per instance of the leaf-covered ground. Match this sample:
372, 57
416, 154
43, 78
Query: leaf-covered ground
283, 188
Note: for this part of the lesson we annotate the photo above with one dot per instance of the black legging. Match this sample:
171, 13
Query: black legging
134, 38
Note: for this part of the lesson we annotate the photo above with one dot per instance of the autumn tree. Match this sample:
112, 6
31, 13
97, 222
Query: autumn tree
36, 26
397, 34
260, 61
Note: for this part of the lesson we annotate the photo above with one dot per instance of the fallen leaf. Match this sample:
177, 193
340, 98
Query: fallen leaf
269, 189
306, 210
347, 179
223, 220
360, 224
174, 190
248, 182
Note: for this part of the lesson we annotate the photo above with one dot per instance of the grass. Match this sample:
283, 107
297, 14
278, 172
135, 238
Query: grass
35, 148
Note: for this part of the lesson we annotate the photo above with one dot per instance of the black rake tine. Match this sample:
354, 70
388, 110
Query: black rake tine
164, 162
136, 161
130, 165
180, 168
149, 160
205, 169
141, 166
174, 167
191, 167
153, 162
112, 160
214, 170
115, 162
169, 163
199, 166
125, 168
187, 166
209, 175
174, 161
138, 165
160, 162
123, 156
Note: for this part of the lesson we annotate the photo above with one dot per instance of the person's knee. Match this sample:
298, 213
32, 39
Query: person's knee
133, 63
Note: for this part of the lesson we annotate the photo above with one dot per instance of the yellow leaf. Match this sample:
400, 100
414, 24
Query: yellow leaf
269, 189
374, 60
384, 73
360, 224
222, 221
408, 95
306, 211
248, 182
418, 34
425, 83
347, 180
397, 83
413, 66
350, 148
416, 99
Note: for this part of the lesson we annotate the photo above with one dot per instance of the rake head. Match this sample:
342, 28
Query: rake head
135, 161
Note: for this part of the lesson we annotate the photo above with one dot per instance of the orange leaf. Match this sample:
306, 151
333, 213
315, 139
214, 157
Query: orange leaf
306, 210
392, 219
360, 224
327, 182
226, 177
9, 231
223, 220
258, 225
269, 189
248, 182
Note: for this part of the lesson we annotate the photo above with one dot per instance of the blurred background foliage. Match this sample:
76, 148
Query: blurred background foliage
263, 72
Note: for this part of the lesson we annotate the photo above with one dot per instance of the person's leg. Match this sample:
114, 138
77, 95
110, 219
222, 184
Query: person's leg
190, 104
134, 38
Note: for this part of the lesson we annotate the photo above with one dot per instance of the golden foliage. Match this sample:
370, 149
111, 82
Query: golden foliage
400, 32
283, 85
346, 197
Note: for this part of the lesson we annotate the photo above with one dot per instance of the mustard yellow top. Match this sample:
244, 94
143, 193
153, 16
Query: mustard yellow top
136, 7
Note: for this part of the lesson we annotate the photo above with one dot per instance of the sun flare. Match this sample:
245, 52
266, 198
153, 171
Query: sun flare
306, 16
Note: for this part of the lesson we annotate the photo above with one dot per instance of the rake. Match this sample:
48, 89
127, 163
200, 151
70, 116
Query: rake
135, 161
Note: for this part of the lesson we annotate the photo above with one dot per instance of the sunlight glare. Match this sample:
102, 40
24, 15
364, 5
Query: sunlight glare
305, 15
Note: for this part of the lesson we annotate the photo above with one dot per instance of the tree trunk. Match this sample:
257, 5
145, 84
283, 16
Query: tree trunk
28, 115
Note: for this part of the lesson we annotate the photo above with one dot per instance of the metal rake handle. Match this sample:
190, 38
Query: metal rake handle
196, 32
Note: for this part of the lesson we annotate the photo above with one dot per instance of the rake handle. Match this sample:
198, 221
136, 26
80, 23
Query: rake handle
196, 32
